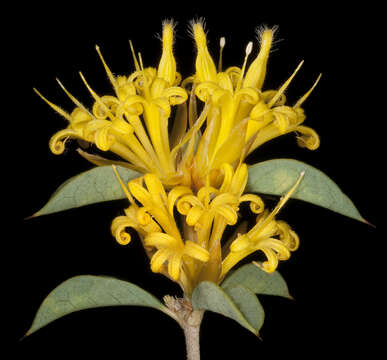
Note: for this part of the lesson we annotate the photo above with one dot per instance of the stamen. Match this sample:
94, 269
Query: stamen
108, 71
55, 107
284, 86
303, 98
134, 56
283, 200
141, 63
249, 48
73, 99
96, 97
124, 188
222, 43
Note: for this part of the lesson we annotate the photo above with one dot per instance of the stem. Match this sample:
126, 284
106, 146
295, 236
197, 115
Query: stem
181, 310
191, 333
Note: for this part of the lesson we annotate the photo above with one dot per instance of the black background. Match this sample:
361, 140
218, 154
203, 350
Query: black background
331, 276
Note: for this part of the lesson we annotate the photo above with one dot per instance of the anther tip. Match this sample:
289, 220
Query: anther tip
249, 48
222, 42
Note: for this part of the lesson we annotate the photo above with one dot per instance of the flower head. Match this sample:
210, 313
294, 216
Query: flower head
192, 250
237, 117
194, 171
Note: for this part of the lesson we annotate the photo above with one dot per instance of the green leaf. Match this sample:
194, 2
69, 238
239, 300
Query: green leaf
258, 281
87, 292
96, 185
248, 303
209, 296
276, 177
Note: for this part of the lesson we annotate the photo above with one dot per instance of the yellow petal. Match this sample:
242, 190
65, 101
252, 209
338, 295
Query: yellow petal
308, 139
158, 259
161, 240
174, 264
196, 251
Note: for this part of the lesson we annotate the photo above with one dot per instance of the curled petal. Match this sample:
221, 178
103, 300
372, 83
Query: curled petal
174, 194
308, 139
186, 203
279, 248
158, 259
229, 214
257, 205
224, 199
175, 95
234, 72
174, 265
271, 263
224, 81
206, 192
193, 215
124, 88
204, 90
177, 79
118, 227
79, 119
249, 95
270, 94
143, 217
281, 122
290, 113
104, 139
288, 236
58, 140
228, 175
196, 251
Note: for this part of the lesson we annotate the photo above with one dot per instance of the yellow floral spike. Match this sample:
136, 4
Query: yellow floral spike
205, 67
108, 71
282, 89
257, 70
167, 65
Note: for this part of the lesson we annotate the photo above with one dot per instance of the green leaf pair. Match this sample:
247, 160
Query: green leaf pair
272, 177
236, 297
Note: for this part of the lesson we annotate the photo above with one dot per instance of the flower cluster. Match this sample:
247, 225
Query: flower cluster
194, 175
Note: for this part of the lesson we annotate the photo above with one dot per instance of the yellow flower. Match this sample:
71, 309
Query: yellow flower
241, 116
274, 238
237, 116
193, 249
134, 122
